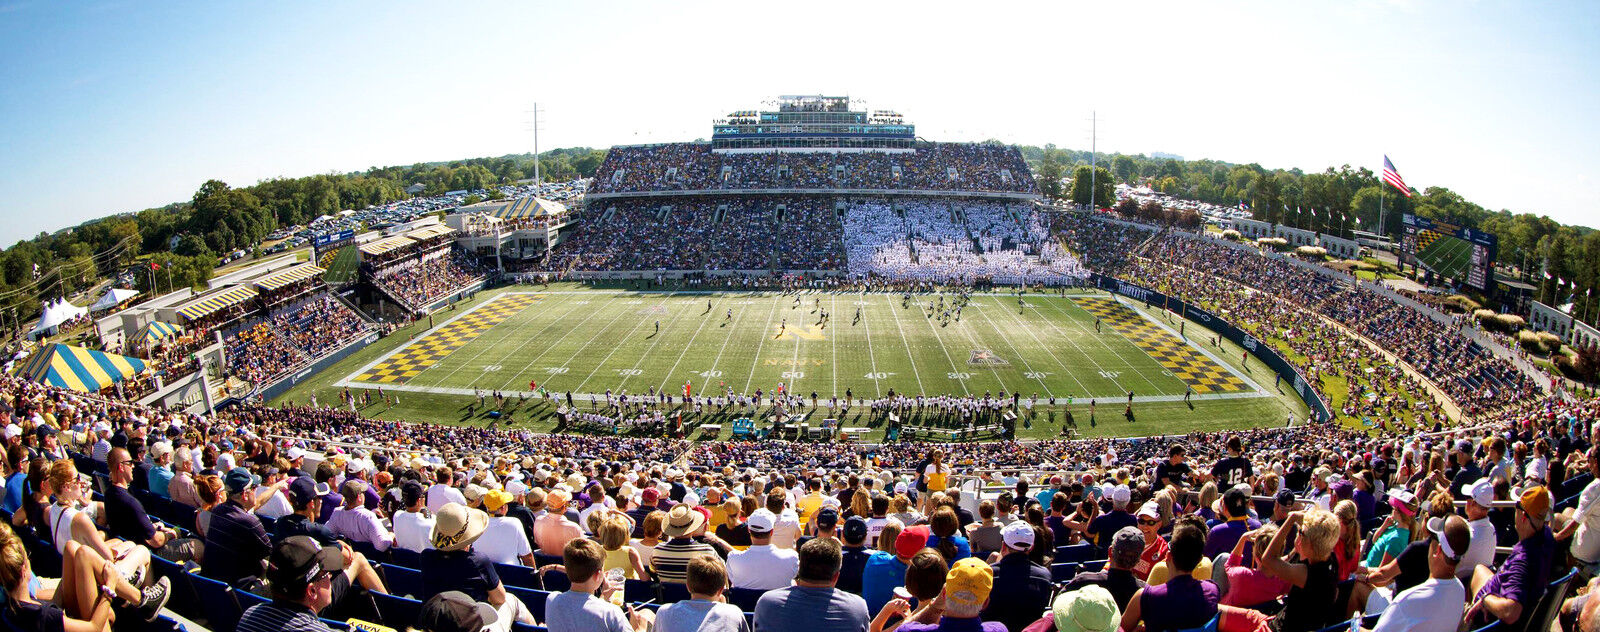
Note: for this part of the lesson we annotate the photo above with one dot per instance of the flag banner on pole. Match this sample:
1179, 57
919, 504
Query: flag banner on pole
1393, 177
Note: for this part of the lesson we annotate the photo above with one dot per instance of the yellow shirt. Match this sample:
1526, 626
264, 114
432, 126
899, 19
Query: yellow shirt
718, 515
1163, 571
935, 477
808, 506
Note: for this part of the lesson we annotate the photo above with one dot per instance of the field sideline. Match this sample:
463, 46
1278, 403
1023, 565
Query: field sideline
587, 341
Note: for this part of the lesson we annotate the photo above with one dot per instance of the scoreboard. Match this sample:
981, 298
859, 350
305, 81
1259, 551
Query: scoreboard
1478, 248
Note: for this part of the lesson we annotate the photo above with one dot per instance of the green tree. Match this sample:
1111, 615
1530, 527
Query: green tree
1101, 187
1050, 179
1125, 168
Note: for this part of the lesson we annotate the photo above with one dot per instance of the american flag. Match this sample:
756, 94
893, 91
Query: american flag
1393, 177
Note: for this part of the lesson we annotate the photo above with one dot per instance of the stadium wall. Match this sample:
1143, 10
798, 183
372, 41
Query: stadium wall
1262, 352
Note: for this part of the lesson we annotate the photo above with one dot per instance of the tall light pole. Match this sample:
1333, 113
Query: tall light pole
1092, 138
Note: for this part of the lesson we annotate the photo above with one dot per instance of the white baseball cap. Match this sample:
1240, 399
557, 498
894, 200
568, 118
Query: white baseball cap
1018, 535
761, 521
13, 431
1481, 492
900, 487
1120, 495
295, 453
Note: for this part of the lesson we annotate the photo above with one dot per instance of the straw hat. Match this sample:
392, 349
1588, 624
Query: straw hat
458, 526
682, 521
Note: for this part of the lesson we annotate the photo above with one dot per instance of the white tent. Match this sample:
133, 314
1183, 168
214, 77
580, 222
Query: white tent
113, 297
54, 314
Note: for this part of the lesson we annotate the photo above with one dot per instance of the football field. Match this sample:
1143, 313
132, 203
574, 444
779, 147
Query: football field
589, 342
1447, 255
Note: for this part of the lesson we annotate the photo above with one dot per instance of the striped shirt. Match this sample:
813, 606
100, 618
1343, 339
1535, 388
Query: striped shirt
280, 616
671, 560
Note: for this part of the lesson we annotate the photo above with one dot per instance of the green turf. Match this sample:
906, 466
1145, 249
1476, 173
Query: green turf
589, 341
342, 269
1447, 256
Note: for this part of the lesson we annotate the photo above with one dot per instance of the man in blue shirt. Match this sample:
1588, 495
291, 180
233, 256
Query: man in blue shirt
236, 543
1236, 508
884, 572
17, 477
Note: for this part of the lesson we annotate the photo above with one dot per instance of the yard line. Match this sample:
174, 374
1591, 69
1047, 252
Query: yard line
1089, 333
878, 390
616, 345
833, 305
1064, 368
762, 342
656, 341
1018, 352
732, 327
794, 365
708, 316
946, 350
907, 343
486, 347
515, 379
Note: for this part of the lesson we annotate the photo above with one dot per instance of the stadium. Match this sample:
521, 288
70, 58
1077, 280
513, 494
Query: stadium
816, 329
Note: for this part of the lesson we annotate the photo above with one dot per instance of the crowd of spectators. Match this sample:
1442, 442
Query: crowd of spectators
955, 241
1284, 529
932, 167
420, 283
263, 351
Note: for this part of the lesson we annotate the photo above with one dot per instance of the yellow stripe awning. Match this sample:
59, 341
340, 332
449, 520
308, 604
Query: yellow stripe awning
385, 245
216, 302
429, 232
79, 369
288, 277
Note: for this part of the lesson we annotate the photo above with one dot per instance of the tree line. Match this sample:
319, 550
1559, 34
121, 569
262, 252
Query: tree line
1341, 200
184, 240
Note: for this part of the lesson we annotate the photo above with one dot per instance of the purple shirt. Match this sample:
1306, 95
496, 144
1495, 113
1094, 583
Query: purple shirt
948, 624
1225, 535
1181, 603
1524, 575
361, 525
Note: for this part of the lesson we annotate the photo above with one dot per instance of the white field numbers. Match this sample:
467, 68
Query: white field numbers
794, 375
555, 370
710, 374
959, 376
1110, 375
1036, 375
630, 371
492, 368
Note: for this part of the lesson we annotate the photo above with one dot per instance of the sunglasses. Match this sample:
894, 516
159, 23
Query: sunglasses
1149, 523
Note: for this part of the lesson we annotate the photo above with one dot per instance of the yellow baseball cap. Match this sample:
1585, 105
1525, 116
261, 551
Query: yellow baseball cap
969, 582
495, 499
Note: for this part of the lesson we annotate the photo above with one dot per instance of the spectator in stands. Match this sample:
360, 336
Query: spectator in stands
1182, 602
1311, 572
160, 475
854, 555
671, 558
763, 566
612, 534
1583, 521
1437, 603
1249, 585
182, 488
786, 531
504, 541
1480, 498
1117, 577
16, 478
80, 601
945, 527
305, 496
813, 604
414, 525
1237, 521
443, 492
577, 609
356, 522
1087, 609
1021, 586
454, 611
1103, 526
885, 571
1514, 590
125, 515
705, 610
965, 596
301, 573
236, 545
452, 564
553, 530
984, 535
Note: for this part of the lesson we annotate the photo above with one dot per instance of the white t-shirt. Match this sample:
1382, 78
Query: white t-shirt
874, 529
276, 507
413, 531
787, 530
1481, 551
1431, 605
441, 494
503, 541
763, 567
1586, 543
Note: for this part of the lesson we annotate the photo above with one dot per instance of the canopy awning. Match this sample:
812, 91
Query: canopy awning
55, 314
429, 232
155, 332
113, 297
288, 277
80, 369
217, 302
529, 207
385, 245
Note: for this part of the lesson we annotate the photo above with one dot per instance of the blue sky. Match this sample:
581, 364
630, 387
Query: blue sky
112, 107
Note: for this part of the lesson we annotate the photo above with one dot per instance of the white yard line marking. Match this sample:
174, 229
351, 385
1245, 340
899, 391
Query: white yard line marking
614, 347
1092, 335
1018, 352
533, 362
877, 389
708, 316
946, 350
906, 343
762, 341
655, 341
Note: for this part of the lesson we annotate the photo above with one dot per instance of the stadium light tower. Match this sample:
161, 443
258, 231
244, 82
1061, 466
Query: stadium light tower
1093, 121
536, 180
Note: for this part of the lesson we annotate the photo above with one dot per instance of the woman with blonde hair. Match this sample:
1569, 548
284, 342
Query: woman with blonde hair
1347, 554
861, 503
73, 516
935, 476
1311, 573
891, 532
613, 537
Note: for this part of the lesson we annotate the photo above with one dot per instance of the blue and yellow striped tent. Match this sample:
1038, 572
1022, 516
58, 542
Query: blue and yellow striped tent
79, 369
155, 332
529, 207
